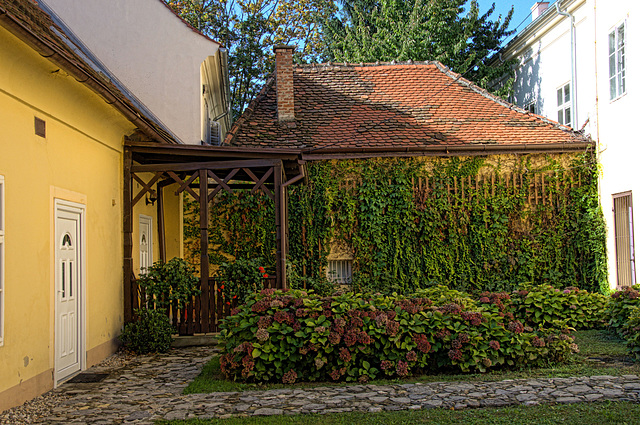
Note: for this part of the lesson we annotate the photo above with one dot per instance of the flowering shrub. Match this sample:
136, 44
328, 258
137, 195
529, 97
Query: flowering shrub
294, 336
620, 307
240, 279
543, 305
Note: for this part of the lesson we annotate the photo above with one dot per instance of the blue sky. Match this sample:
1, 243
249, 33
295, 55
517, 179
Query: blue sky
521, 12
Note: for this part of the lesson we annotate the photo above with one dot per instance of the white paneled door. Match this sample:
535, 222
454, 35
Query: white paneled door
68, 284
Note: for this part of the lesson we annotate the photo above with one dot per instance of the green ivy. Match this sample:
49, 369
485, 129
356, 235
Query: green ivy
404, 238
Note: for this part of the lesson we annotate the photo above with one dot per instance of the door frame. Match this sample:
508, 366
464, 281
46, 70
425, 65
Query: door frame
80, 209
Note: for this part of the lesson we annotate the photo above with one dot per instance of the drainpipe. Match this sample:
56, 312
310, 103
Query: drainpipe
574, 93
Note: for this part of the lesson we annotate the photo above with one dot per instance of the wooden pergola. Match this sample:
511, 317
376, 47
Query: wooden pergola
216, 169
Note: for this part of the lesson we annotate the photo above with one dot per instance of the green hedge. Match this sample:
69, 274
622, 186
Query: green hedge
543, 305
620, 306
294, 336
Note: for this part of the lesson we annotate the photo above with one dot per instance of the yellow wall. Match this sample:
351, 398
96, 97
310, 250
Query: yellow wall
80, 160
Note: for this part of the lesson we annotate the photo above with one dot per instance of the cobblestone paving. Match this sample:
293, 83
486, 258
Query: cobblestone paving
150, 388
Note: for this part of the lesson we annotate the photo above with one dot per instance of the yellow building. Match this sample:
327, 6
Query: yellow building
62, 132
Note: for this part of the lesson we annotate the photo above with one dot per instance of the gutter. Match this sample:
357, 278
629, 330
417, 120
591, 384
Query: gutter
54, 54
574, 93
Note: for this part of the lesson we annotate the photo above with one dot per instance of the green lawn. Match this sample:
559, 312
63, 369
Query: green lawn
600, 354
570, 414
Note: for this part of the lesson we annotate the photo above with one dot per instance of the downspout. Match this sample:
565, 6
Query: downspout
574, 93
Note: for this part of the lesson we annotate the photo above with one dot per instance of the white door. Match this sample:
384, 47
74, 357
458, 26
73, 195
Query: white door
146, 243
68, 291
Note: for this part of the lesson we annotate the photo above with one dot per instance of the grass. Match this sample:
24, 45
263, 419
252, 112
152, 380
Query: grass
600, 354
570, 414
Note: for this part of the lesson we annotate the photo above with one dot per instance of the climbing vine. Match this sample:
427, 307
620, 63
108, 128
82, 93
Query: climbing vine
469, 223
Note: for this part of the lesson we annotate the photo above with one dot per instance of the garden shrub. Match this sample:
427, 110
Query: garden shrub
631, 331
150, 333
295, 336
169, 284
241, 278
620, 306
543, 305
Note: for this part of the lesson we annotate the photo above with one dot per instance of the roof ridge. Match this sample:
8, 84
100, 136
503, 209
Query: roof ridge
363, 64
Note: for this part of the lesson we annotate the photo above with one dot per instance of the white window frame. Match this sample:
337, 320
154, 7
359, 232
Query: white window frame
617, 61
2, 262
564, 103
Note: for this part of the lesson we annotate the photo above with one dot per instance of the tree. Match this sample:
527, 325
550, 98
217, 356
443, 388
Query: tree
418, 30
250, 28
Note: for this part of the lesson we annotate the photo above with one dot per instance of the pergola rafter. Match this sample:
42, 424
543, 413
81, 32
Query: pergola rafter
183, 165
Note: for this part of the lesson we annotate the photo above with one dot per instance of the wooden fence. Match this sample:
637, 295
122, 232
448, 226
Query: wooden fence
540, 186
189, 320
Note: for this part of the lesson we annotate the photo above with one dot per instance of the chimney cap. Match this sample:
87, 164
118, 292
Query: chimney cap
283, 47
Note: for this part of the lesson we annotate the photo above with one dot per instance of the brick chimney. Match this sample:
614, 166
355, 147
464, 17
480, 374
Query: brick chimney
284, 82
538, 9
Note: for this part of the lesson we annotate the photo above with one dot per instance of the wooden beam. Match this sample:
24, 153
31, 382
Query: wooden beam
162, 245
215, 191
281, 265
127, 226
260, 185
213, 165
221, 182
204, 250
178, 180
146, 187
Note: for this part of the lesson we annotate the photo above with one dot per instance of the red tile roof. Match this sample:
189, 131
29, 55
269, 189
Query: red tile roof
390, 106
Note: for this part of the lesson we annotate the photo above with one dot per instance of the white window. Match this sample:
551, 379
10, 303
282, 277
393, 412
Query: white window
617, 62
339, 271
625, 251
1, 260
564, 104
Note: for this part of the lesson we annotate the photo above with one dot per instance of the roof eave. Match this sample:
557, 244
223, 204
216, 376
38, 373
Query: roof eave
56, 56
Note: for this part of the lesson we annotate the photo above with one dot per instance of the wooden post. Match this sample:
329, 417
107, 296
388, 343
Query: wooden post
161, 231
281, 270
127, 226
204, 249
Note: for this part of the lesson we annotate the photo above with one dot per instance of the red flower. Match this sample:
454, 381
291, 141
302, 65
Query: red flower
265, 275
261, 269
221, 286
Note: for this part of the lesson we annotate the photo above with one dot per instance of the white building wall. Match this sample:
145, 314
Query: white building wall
618, 140
149, 49
544, 51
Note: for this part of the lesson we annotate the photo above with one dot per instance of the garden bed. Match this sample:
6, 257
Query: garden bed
601, 353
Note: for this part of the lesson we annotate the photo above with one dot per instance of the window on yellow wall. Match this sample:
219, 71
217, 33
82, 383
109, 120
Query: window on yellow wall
1, 259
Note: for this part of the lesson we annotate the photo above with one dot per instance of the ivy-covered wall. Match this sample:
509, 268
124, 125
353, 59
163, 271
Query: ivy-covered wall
489, 223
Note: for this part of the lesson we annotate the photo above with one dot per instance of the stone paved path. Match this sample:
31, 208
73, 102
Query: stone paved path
150, 388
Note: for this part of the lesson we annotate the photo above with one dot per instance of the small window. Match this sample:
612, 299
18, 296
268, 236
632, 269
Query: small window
564, 104
2, 260
339, 271
617, 62
66, 241
531, 107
